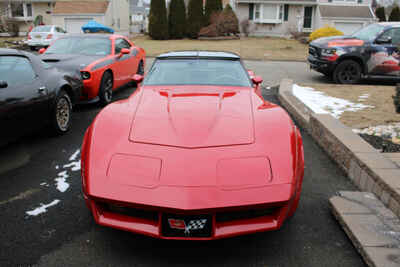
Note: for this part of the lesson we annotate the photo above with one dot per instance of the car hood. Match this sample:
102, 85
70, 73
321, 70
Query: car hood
68, 61
337, 41
194, 117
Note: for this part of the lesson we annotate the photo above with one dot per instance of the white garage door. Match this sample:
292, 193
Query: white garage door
348, 27
75, 25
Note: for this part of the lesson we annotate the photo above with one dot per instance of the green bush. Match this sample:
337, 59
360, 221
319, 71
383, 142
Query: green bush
177, 19
195, 17
395, 14
158, 23
324, 32
212, 6
380, 13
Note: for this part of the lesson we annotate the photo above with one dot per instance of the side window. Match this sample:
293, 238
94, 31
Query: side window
121, 43
16, 70
394, 34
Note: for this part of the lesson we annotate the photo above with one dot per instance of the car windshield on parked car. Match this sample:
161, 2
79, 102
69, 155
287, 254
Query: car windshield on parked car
197, 72
82, 46
369, 33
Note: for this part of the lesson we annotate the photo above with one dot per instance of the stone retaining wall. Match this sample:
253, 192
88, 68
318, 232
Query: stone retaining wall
366, 167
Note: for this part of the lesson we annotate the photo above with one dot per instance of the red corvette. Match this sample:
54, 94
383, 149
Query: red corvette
105, 62
194, 153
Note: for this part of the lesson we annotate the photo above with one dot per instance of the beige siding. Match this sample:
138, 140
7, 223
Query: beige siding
280, 29
117, 16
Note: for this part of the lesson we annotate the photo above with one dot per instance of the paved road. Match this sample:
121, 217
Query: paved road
66, 236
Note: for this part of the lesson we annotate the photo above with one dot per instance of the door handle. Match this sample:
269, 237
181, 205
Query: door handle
42, 90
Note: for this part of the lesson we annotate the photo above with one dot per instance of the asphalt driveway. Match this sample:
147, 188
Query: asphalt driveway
65, 234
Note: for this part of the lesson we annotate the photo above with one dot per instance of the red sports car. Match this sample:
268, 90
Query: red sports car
194, 153
105, 61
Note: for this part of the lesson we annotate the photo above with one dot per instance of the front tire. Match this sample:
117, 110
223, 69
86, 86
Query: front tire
106, 86
61, 113
347, 72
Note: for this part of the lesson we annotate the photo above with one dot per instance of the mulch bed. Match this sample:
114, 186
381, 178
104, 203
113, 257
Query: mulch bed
380, 143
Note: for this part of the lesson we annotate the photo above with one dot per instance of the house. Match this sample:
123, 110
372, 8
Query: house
23, 13
72, 15
139, 13
284, 17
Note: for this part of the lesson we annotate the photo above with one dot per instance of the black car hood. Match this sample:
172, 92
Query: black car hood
342, 41
69, 62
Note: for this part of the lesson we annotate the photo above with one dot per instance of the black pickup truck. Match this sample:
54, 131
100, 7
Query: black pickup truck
371, 52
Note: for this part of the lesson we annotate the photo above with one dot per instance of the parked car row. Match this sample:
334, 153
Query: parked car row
38, 90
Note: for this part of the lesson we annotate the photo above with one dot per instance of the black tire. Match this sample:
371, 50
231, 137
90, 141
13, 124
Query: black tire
347, 72
140, 69
61, 113
105, 91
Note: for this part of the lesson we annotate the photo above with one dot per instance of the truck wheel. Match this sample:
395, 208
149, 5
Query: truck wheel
347, 72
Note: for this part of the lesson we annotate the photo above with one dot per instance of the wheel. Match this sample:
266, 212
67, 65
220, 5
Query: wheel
347, 72
61, 115
106, 86
140, 69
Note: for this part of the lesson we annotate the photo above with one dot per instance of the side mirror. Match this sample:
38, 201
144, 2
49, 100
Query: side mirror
257, 80
137, 78
42, 50
384, 40
3, 84
125, 51
251, 73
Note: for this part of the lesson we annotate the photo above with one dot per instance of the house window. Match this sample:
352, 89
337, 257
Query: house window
268, 13
21, 10
257, 8
286, 12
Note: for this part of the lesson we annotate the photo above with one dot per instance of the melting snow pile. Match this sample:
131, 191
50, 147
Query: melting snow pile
42, 208
391, 131
321, 103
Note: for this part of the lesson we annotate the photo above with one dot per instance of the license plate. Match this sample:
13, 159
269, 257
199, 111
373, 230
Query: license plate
38, 36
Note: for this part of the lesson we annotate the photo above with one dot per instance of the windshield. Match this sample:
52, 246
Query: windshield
82, 46
197, 72
369, 33
42, 29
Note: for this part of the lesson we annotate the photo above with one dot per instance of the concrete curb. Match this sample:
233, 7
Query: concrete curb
369, 170
373, 229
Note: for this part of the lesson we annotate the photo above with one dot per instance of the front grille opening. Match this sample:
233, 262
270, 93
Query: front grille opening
245, 214
129, 211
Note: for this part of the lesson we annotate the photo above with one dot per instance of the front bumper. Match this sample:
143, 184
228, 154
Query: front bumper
323, 66
39, 43
154, 221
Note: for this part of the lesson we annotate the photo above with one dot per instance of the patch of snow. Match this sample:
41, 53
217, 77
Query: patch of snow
75, 155
363, 97
42, 208
44, 184
389, 130
57, 167
62, 185
321, 103
75, 165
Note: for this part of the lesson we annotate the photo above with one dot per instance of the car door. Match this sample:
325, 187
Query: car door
385, 54
24, 101
124, 62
